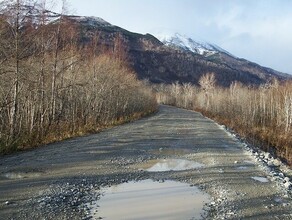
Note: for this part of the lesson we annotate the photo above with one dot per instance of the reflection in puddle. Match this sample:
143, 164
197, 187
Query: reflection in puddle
21, 175
260, 179
13, 175
171, 151
150, 200
242, 168
248, 161
171, 164
278, 200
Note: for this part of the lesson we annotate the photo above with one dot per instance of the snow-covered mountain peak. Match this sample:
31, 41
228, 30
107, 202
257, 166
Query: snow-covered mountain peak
186, 43
91, 21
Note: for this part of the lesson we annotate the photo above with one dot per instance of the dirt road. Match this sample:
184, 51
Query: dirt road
59, 180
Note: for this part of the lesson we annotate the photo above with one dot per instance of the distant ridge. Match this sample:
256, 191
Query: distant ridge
174, 58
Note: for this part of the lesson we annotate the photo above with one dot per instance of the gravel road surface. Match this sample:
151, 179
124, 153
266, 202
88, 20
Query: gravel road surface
60, 180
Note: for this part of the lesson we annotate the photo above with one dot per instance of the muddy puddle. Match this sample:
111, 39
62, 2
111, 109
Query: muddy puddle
148, 199
171, 165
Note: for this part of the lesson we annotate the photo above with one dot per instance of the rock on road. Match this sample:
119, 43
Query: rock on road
58, 180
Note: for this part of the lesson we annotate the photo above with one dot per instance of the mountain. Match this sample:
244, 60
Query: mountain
174, 58
179, 41
171, 59
216, 54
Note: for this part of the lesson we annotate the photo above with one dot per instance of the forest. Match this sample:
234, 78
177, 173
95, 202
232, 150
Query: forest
261, 115
53, 87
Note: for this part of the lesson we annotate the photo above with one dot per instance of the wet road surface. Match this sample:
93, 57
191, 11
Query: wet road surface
60, 180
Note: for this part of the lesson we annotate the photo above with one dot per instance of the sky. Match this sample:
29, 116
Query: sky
257, 30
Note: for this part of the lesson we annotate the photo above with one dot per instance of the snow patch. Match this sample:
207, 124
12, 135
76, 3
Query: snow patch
91, 20
186, 43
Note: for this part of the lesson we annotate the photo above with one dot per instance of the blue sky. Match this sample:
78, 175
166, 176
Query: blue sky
257, 30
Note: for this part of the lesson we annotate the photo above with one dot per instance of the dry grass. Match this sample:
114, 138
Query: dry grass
263, 116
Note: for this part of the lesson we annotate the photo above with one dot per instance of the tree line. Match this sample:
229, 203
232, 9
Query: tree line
263, 115
52, 87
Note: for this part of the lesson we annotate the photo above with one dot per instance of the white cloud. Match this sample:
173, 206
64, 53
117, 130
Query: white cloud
258, 30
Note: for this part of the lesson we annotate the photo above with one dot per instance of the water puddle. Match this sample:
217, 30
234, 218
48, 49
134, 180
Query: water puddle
260, 179
21, 175
171, 151
150, 200
242, 168
98, 152
171, 165
248, 162
278, 200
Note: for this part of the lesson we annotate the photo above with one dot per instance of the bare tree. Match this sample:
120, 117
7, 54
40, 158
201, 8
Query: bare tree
52, 87
263, 114
207, 83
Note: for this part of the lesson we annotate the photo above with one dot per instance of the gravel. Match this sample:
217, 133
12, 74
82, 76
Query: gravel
71, 174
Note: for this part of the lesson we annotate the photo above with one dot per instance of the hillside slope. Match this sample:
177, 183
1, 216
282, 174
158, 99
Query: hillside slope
178, 59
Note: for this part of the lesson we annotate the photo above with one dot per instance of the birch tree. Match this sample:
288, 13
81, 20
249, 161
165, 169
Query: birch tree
207, 83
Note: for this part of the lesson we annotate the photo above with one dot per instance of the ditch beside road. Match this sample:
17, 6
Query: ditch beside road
63, 180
